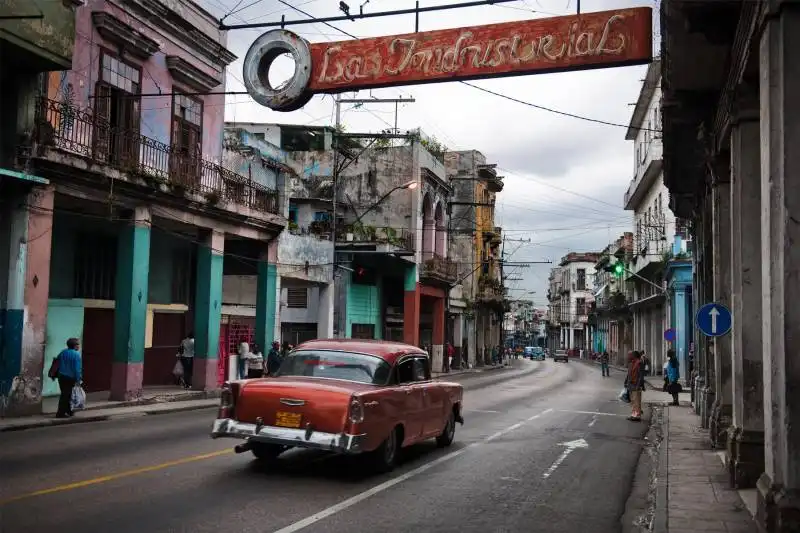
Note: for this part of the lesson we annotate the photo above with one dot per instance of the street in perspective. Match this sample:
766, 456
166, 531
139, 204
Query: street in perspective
283, 266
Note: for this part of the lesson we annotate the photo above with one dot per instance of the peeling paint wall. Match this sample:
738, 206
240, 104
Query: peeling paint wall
295, 250
52, 37
78, 85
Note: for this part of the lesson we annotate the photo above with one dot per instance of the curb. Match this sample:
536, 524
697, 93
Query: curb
159, 400
52, 422
660, 520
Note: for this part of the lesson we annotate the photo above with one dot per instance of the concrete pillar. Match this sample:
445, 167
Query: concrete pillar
721, 410
130, 311
208, 310
30, 237
325, 312
682, 335
571, 338
267, 297
411, 306
745, 455
437, 359
779, 486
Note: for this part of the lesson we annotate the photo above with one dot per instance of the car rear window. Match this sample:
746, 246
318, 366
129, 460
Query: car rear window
349, 366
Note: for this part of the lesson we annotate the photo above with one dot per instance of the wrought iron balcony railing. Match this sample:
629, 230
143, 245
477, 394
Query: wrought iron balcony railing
79, 132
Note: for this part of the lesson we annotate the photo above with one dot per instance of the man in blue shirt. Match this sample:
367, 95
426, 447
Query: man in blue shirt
69, 374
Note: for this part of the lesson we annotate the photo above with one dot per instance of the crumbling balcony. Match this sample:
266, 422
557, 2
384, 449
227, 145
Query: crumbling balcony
71, 136
439, 270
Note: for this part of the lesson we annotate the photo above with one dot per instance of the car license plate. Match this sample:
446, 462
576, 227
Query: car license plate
288, 420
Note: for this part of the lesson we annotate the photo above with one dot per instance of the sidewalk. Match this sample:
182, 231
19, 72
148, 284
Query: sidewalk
463, 371
693, 493
154, 400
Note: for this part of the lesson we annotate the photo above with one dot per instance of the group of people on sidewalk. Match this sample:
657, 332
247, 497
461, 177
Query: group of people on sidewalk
635, 379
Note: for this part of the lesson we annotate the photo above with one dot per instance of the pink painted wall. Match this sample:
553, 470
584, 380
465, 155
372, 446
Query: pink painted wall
156, 112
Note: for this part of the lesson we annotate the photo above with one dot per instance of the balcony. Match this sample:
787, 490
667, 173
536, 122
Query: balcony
645, 176
489, 174
359, 235
71, 131
439, 269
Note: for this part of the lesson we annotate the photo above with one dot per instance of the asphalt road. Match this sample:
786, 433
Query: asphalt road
508, 471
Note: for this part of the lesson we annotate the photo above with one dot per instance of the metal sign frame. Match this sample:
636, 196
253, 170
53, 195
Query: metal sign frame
536, 46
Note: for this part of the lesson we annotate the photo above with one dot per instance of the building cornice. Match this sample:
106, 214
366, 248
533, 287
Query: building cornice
649, 86
123, 35
184, 72
174, 24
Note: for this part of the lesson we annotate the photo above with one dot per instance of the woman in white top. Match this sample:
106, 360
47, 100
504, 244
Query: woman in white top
254, 362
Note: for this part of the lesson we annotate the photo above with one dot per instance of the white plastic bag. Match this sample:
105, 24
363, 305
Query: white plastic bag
177, 370
625, 395
78, 398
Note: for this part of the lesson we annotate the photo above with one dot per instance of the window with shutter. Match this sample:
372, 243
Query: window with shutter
297, 298
187, 127
117, 112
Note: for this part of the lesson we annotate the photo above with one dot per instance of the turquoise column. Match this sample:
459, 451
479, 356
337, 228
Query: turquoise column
130, 310
208, 310
680, 310
266, 300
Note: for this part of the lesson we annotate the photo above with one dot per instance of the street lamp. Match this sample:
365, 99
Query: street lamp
411, 185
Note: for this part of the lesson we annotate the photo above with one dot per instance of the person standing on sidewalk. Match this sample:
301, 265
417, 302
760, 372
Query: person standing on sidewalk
672, 375
634, 382
604, 364
273, 362
187, 359
69, 375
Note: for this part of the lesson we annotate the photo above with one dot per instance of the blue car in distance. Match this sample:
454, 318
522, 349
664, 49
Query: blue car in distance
535, 353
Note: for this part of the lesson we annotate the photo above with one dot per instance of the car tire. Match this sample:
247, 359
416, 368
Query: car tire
384, 458
266, 452
448, 433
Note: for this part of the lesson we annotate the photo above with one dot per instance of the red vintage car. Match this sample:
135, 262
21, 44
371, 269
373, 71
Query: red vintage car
343, 395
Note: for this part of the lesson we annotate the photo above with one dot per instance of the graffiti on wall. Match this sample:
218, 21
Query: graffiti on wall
574, 42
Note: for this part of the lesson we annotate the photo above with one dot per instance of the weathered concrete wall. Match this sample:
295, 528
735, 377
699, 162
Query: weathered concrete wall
52, 37
294, 251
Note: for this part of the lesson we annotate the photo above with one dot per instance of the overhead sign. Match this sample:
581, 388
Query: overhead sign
534, 46
669, 335
714, 320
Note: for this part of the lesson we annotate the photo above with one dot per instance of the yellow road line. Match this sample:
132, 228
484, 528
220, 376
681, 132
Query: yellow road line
119, 475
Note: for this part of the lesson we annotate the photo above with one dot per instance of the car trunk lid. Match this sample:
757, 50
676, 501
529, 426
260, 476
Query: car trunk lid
296, 402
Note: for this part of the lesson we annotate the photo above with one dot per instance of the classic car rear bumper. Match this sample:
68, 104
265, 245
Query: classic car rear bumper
301, 438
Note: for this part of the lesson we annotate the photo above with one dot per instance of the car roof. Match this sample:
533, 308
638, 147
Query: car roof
389, 351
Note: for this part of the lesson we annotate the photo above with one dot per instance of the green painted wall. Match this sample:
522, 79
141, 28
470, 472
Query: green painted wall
410, 278
266, 298
208, 303
130, 314
64, 320
363, 307
51, 38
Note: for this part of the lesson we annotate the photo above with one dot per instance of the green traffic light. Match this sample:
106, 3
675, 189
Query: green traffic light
619, 269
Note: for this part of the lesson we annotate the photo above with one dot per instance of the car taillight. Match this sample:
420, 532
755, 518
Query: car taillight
227, 400
356, 410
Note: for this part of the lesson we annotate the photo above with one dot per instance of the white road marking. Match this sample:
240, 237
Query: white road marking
570, 447
358, 498
594, 421
481, 411
589, 413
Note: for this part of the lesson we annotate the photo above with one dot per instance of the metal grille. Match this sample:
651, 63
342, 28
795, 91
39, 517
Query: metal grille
297, 298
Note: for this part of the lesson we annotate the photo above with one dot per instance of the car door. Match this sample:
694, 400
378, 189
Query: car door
411, 402
433, 398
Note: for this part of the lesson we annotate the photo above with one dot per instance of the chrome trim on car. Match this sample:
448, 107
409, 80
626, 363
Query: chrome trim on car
300, 438
292, 402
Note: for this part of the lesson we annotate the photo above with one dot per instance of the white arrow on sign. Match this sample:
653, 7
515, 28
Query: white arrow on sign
714, 312
569, 447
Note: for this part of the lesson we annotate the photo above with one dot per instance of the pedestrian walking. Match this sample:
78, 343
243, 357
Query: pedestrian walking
451, 352
273, 362
672, 376
186, 355
645, 361
634, 382
604, 359
67, 369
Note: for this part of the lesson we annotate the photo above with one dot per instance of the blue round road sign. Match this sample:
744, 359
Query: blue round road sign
669, 335
714, 320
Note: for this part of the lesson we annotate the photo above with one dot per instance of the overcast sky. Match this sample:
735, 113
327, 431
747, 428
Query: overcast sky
564, 177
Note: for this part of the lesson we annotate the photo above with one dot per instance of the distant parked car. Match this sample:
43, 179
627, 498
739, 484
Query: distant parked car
345, 395
535, 353
560, 355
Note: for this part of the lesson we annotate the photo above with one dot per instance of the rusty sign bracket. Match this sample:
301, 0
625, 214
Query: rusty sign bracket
599, 39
